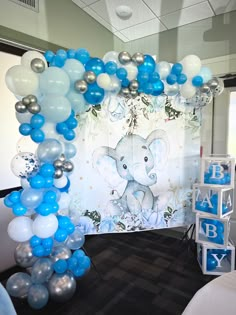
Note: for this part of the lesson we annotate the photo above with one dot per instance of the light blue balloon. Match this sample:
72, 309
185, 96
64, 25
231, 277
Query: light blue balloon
38, 296
49, 150
31, 198
69, 150
54, 81
75, 240
55, 108
74, 69
206, 74
18, 284
42, 270
77, 102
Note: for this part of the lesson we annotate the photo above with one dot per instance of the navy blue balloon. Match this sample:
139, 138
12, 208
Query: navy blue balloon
158, 88
110, 67
37, 121
171, 79
71, 53
197, 81
121, 73
143, 77
148, 65
49, 55
96, 65
82, 55
94, 95
25, 129
37, 135
154, 77
177, 68
182, 78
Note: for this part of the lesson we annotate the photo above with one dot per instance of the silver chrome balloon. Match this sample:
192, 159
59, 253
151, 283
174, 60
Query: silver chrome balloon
125, 91
34, 108
138, 58
20, 107
37, 65
81, 86
61, 287
124, 57
60, 252
134, 93
134, 85
204, 88
62, 157
58, 163
67, 166
58, 173
26, 100
32, 98
89, 76
23, 255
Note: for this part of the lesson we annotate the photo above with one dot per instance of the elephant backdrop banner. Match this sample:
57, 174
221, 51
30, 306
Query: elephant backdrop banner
137, 160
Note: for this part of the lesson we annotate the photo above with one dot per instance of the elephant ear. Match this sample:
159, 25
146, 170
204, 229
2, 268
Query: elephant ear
104, 160
158, 143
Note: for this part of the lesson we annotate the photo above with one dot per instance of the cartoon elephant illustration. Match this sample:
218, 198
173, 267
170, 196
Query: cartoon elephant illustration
134, 161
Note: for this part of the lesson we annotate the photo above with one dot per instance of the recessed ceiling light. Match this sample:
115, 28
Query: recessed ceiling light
124, 12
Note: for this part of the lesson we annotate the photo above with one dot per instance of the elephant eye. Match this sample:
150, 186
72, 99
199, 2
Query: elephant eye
125, 166
146, 159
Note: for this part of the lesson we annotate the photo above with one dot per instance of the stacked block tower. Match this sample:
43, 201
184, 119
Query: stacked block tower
213, 203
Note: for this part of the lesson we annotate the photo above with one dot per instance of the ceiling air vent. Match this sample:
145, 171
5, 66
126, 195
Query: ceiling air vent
29, 4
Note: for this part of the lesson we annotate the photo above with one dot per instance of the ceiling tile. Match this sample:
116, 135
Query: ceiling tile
223, 6
106, 9
121, 36
79, 3
188, 15
99, 19
144, 29
163, 7
88, 2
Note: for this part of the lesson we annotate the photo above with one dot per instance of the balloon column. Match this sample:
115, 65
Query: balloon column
52, 90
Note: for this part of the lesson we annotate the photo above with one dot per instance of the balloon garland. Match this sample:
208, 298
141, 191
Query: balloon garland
52, 90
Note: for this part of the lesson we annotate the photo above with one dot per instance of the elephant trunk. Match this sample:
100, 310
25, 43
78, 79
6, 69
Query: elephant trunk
142, 177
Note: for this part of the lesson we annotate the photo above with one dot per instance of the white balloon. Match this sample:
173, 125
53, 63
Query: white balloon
111, 56
45, 226
25, 144
21, 80
132, 71
24, 183
20, 229
187, 90
171, 90
64, 201
191, 65
29, 56
23, 117
60, 182
104, 81
163, 68
24, 164
115, 85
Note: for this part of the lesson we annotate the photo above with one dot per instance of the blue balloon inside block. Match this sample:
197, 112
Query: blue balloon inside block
201, 206
211, 263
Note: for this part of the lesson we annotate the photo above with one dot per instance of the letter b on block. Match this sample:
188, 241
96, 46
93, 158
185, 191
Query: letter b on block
210, 230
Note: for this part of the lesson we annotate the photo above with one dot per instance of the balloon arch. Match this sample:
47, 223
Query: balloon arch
53, 91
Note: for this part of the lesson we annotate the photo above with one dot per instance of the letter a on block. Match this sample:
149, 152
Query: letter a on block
206, 199
211, 230
216, 256
229, 202
217, 170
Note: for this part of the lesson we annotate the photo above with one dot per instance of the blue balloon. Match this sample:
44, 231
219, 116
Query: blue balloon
47, 242
44, 209
78, 272
37, 135
71, 53
25, 129
49, 55
50, 196
62, 54
48, 182
63, 221
38, 296
158, 88
171, 79
70, 150
58, 61
72, 263
177, 68
121, 73
94, 95
61, 128
154, 77
60, 266
143, 77
197, 81
38, 251
148, 65
148, 88
47, 170
211, 263
37, 121
18, 209
182, 78
78, 253
96, 65
60, 235
35, 241
65, 188
55, 207
7, 202
37, 181
70, 228
82, 55
69, 135
85, 263
71, 122
110, 67
125, 82
14, 196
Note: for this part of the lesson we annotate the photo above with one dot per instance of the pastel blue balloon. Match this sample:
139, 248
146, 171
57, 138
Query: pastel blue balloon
69, 150
49, 55
75, 240
94, 95
77, 102
42, 270
25, 129
38, 296
96, 65
182, 78
37, 135
206, 74
158, 88
177, 68
31, 198
110, 67
55, 108
148, 65
171, 79
74, 69
197, 81
82, 55
54, 81
49, 150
